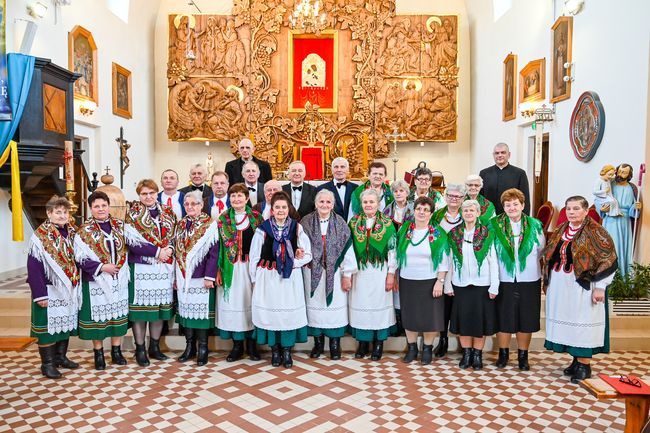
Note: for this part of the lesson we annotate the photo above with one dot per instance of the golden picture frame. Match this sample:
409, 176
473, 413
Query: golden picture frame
509, 110
122, 91
562, 39
82, 59
532, 81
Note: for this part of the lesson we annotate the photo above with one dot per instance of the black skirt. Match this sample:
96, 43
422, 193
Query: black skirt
421, 312
473, 313
518, 306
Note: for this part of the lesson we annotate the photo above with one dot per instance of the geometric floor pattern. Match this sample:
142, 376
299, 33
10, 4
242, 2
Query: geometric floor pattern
314, 396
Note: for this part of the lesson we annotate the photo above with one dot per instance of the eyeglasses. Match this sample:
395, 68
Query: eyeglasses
454, 197
191, 204
630, 381
423, 179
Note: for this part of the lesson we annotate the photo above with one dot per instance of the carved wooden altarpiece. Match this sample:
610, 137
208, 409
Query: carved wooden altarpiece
228, 78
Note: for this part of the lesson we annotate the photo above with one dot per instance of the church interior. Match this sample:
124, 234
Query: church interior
99, 95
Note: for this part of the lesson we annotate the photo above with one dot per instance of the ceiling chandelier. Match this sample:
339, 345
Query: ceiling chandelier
305, 17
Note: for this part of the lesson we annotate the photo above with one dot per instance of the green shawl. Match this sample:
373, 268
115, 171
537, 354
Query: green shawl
229, 245
483, 240
356, 196
437, 242
504, 240
373, 249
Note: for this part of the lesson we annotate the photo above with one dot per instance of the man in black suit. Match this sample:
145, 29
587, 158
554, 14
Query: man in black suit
341, 187
302, 194
502, 176
251, 173
234, 168
198, 174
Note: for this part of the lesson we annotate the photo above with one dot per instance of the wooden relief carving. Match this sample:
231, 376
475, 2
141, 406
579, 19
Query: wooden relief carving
227, 78
54, 118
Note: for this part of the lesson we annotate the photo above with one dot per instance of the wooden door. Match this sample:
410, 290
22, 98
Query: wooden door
540, 185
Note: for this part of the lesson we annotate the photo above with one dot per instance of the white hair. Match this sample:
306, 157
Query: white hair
501, 146
270, 183
456, 187
473, 177
246, 140
399, 184
198, 166
370, 191
296, 162
243, 167
324, 192
470, 203
196, 195
339, 160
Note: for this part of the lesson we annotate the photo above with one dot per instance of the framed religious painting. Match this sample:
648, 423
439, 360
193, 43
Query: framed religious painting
509, 110
121, 91
313, 71
562, 32
82, 59
532, 81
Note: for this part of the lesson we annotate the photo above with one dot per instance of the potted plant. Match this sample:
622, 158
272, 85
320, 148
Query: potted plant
629, 293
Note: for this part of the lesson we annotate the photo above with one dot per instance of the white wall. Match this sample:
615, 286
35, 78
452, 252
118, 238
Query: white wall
130, 45
610, 52
452, 158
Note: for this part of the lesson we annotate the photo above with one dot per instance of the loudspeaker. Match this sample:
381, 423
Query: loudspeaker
28, 37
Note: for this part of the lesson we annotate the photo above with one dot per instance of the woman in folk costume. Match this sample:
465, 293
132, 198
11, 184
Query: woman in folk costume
53, 278
519, 240
328, 277
149, 231
422, 188
448, 217
372, 313
197, 253
474, 183
578, 263
279, 249
234, 289
475, 284
376, 181
422, 254
101, 253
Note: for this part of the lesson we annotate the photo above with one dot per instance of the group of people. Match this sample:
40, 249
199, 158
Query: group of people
259, 263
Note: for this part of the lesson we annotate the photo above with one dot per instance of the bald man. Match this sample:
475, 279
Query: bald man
234, 167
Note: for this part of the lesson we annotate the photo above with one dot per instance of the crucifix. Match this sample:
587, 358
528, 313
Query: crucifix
394, 136
124, 159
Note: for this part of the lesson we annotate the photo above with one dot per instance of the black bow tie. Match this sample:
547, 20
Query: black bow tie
340, 184
200, 188
250, 188
297, 188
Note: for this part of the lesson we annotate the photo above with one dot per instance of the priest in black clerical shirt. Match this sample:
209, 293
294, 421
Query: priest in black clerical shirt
234, 167
198, 173
502, 176
341, 187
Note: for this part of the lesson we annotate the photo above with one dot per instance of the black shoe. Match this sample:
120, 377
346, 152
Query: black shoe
335, 348
319, 343
141, 355
477, 359
363, 350
411, 353
571, 368
442, 347
100, 361
427, 354
237, 351
154, 350
399, 328
202, 351
466, 360
377, 350
190, 345
251, 350
48, 366
583, 371
276, 359
116, 356
522, 357
502, 361
61, 360
286, 357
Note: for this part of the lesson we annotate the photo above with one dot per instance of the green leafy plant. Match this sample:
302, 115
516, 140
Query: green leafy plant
635, 285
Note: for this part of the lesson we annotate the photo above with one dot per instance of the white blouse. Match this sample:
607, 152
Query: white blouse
418, 259
532, 271
470, 274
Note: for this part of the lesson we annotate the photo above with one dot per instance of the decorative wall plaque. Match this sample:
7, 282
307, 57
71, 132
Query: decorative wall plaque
587, 126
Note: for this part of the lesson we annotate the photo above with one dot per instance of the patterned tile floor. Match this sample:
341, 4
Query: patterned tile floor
315, 396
